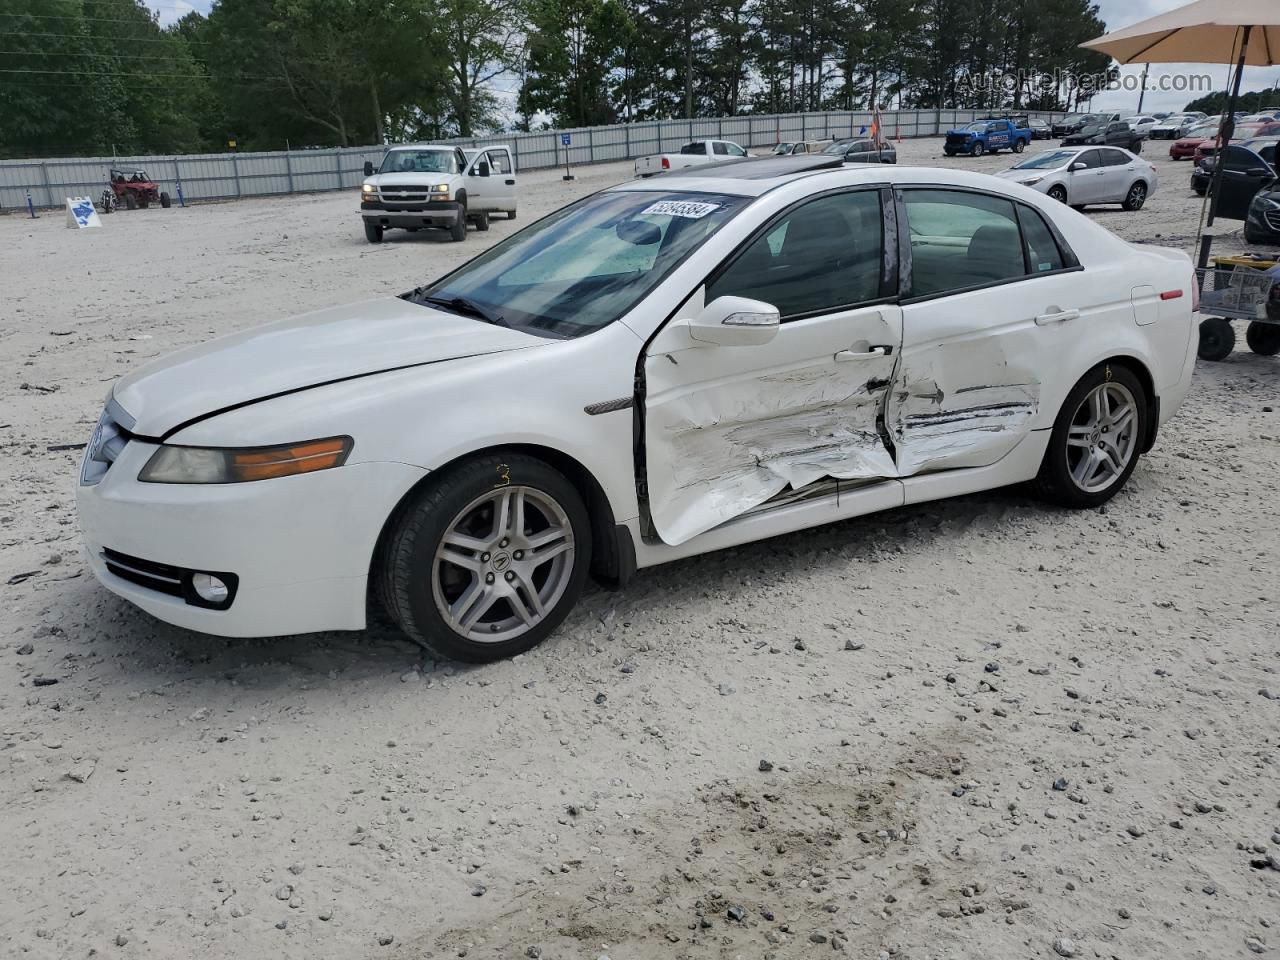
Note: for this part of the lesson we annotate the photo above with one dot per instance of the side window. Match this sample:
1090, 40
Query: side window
1241, 158
823, 255
1090, 158
720, 147
960, 240
498, 161
736, 151
1113, 158
1043, 254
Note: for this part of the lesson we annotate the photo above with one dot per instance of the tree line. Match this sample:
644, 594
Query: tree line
92, 76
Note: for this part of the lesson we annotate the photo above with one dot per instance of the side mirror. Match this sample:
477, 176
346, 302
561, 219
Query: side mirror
482, 169
1078, 166
368, 168
735, 322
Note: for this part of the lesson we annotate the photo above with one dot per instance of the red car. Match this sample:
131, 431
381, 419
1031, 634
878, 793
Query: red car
1246, 131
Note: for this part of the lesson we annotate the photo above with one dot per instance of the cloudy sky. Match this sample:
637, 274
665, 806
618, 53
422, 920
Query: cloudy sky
1116, 13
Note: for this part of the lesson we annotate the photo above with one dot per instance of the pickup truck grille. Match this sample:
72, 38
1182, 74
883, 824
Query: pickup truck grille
408, 193
957, 137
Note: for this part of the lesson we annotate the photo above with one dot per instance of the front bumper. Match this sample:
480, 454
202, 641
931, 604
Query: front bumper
436, 213
1264, 222
299, 547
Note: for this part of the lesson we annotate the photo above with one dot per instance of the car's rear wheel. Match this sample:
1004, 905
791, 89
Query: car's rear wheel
1018, 146
1096, 440
1136, 196
165, 200
1217, 339
1263, 338
511, 214
1058, 192
482, 221
488, 559
372, 232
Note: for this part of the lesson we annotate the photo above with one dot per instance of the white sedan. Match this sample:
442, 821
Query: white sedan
1086, 175
662, 369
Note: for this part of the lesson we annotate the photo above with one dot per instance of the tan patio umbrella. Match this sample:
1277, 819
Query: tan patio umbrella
1243, 32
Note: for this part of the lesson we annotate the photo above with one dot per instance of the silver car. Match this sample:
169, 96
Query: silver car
1085, 175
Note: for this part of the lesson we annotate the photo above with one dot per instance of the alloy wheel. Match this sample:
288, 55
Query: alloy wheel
1137, 196
1103, 437
503, 563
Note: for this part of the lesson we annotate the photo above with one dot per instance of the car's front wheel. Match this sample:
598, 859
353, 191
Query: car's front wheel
977, 150
1058, 192
487, 559
1096, 440
372, 232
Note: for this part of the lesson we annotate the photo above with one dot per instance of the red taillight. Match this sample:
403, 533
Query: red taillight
666, 164
1171, 295
1195, 292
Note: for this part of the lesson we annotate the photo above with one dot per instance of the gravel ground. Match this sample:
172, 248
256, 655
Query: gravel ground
980, 728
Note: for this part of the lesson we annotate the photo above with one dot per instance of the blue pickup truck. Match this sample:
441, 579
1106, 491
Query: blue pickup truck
987, 136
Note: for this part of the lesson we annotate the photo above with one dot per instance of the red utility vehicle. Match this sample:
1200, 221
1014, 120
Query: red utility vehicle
133, 189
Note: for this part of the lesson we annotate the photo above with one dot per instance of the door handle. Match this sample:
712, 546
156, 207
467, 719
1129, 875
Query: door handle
1054, 315
874, 352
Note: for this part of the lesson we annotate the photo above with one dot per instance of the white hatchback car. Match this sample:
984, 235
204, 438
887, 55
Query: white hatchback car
1086, 175
665, 368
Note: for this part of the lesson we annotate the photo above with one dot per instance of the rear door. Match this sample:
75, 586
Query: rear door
980, 292
1117, 174
1243, 174
728, 428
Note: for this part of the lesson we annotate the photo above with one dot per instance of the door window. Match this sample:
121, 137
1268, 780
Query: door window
1090, 158
960, 240
1113, 158
1043, 253
499, 162
819, 257
721, 148
737, 151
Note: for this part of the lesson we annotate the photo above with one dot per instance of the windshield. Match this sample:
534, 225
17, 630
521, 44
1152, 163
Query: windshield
420, 161
585, 266
838, 148
976, 127
1047, 160
782, 148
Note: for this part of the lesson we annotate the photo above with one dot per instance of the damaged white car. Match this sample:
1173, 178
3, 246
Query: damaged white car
662, 369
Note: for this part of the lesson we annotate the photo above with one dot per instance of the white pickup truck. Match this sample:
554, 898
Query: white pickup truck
419, 186
691, 155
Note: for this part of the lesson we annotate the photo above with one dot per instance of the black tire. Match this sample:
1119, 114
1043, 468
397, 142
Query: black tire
458, 232
373, 231
511, 214
1054, 481
1078, 207
1136, 197
481, 221
978, 149
1263, 338
949, 153
165, 201
1018, 146
1217, 339
1058, 192
130, 202
405, 561
1252, 236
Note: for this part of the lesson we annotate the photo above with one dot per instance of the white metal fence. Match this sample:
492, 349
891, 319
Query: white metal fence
221, 176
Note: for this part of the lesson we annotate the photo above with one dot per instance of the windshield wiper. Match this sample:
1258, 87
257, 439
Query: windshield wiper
467, 308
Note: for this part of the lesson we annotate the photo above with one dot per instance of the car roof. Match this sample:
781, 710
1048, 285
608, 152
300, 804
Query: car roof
756, 177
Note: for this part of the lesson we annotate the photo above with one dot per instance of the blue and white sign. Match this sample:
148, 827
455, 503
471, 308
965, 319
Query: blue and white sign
81, 213
565, 140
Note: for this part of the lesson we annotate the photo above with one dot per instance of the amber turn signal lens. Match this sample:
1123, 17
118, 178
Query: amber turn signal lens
264, 464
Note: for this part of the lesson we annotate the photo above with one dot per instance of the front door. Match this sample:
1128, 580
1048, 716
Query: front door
1243, 174
1087, 185
502, 177
728, 428
986, 278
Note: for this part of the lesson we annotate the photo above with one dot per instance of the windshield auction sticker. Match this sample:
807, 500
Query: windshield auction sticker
689, 209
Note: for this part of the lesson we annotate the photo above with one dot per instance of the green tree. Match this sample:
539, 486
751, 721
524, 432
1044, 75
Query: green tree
572, 50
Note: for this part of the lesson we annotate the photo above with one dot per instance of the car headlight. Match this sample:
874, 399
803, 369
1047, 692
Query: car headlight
1032, 182
175, 464
1269, 202
368, 191
440, 191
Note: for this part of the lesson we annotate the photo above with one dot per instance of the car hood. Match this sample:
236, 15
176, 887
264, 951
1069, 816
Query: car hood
306, 351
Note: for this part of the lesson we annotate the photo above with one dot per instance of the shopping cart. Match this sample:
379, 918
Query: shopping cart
1239, 288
